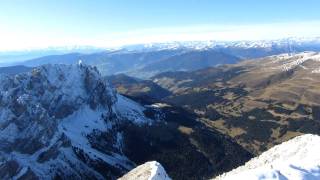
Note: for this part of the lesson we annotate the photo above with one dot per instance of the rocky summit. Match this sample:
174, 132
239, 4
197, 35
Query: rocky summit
60, 121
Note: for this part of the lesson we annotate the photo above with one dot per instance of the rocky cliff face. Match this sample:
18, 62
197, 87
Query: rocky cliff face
60, 121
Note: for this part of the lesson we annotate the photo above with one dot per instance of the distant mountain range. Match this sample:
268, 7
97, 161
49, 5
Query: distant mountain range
241, 49
224, 44
147, 60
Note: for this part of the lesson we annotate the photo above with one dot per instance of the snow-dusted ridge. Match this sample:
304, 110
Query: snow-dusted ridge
289, 61
298, 59
296, 159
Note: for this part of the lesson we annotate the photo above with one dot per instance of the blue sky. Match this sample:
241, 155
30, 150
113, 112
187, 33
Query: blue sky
41, 23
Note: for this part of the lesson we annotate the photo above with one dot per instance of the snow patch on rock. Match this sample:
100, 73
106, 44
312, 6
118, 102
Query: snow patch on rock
130, 110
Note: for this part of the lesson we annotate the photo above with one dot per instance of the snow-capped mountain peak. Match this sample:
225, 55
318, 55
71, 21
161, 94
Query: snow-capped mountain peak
213, 44
61, 121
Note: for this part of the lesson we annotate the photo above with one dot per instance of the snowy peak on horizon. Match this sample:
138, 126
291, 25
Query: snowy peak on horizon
208, 44
196, 44
296, 159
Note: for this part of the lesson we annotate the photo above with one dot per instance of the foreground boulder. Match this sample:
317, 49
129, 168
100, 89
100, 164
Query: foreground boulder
147, 171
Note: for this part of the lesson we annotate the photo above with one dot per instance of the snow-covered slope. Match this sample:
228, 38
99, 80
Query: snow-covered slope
308, 61
296, 159
290, 61
60, 121
147, 171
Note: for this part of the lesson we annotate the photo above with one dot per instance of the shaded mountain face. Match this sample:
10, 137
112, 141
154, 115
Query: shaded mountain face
133, 87
259, 103
185, 147
67, 122
190, 61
